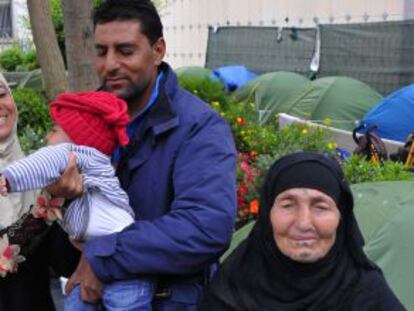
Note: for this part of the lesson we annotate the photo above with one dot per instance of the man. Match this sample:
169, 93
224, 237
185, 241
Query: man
179, 169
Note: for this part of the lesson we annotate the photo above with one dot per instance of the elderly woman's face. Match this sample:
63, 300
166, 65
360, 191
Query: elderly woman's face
304, 224
7, 112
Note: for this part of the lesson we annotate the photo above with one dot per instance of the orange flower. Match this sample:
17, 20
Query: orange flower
254, 207
240, 121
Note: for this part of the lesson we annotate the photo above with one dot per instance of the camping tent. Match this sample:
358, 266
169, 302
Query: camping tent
343, 100
394, 115
385, 213
193, 73
271, 92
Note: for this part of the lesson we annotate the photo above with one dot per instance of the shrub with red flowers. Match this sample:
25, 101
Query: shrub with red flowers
260, 145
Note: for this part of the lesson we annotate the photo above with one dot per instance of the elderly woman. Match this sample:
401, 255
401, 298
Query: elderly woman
28, 288
305, 251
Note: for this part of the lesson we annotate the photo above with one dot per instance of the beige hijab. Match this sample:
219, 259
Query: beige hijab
15, 204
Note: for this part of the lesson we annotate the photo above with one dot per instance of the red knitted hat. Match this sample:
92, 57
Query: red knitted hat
94, 119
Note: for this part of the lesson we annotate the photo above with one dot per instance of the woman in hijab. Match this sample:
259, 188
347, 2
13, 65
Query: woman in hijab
29, 287
305, 250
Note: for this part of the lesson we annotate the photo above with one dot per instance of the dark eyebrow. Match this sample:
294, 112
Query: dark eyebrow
125, 45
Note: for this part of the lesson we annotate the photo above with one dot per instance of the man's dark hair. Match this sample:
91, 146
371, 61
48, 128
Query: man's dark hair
142, 11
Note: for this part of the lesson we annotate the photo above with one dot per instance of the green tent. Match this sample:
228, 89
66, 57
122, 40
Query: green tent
343, 100
193, 73
272, 91
385, 213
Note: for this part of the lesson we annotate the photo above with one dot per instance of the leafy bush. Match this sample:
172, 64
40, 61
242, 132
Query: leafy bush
30, 60
260, 145
34, 121
358, 170
210, 91
11, 58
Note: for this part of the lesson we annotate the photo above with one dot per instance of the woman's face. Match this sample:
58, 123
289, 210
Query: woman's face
7, 112
304, 223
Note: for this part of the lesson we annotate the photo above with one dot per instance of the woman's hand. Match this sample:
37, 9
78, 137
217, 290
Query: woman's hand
90, 286
78, 245
70, 184
3, 186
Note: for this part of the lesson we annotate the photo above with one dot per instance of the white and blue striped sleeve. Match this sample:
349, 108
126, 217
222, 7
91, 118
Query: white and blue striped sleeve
37, 170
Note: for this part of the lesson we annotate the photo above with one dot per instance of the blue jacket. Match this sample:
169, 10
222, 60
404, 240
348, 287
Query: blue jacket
180, 176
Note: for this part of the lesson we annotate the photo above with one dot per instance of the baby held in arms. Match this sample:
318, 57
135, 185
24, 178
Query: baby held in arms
90, 125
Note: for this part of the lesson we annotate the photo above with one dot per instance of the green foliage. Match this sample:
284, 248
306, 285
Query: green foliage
260, 145
358, 170
57, 20
208, 90
14, 59
34, 121
30, 60
11, 58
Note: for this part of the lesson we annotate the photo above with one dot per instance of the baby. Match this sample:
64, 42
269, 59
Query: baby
90, 125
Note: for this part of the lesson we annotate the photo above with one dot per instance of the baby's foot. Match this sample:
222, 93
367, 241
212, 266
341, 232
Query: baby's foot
3, 186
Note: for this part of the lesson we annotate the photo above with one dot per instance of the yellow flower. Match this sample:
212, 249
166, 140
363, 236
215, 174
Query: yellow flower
305, 131
332, 146
195, 91
328, 121
215, 104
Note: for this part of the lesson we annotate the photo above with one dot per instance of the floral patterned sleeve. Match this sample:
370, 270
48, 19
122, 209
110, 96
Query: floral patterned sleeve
20, 239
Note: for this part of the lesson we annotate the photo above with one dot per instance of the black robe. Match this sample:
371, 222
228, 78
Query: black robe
29, 288
257, 276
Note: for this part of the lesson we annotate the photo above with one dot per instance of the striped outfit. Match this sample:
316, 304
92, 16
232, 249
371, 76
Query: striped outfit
103, 207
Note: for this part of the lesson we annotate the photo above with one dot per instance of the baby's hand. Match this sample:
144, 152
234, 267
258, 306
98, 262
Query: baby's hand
3, 186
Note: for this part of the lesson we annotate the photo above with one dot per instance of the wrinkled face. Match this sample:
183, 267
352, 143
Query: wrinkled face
304, 223
126, 62
8, 112
57, 136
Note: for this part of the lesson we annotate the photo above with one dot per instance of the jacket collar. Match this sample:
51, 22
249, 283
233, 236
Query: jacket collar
162, 117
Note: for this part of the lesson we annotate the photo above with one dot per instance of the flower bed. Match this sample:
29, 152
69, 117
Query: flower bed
259, 146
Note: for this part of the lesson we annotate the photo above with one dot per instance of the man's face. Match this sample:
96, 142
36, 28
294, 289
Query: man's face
304, 223
126, 62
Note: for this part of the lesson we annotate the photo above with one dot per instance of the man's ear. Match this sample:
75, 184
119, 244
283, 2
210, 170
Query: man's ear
159, 48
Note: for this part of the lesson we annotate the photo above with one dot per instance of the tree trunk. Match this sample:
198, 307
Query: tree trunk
48, 53
79, 44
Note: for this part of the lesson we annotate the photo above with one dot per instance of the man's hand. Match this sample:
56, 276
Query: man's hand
70, 184
90, 286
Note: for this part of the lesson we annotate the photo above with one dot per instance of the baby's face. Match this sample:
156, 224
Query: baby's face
57, 136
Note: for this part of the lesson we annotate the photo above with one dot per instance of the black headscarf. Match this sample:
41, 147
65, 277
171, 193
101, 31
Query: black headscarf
257, 276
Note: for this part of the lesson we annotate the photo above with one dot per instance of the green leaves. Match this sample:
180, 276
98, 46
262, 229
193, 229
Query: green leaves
359, 170
34, 121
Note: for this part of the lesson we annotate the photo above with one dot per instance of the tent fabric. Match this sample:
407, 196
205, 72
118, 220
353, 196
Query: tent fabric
380, 54
343, 100
394, 115
385, 214
193, 72
261, 49
271, 92
234, 76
